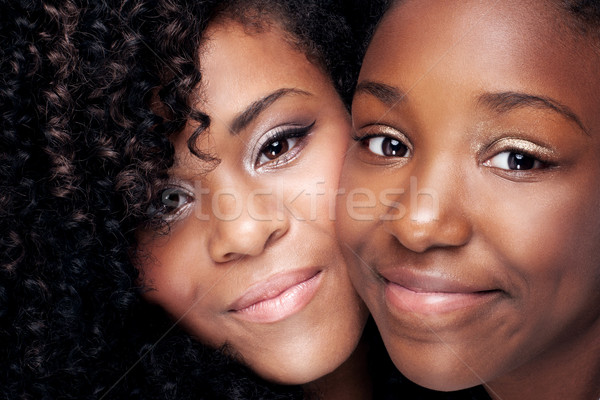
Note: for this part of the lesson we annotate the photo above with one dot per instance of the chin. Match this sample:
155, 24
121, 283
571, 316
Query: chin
301, 364
293, 373
440, 381
440, 370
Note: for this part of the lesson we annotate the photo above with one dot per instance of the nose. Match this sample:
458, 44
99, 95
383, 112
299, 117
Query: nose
246, 222
436, 216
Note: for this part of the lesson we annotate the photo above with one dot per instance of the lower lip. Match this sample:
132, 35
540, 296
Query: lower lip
433, 303
287, 303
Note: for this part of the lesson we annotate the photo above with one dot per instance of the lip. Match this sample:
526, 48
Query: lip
278, 297
433, 294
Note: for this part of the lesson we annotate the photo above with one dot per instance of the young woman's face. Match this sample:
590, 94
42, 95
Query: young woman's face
476, 245
251, 258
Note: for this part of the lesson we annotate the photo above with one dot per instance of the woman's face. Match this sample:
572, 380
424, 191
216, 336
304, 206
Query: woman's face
251, 258
471, 222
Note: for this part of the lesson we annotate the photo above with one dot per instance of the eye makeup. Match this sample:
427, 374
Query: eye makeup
283, 142
383, 144
521, 146
172, 202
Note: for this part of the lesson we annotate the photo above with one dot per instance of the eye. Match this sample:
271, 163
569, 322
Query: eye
514, 161
386, 146
282, 144
276, 149
172, 201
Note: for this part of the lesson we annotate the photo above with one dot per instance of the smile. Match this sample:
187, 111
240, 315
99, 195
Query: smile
278, 297
409, 300
423, 294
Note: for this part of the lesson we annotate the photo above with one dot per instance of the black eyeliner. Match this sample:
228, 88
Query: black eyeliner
288, 132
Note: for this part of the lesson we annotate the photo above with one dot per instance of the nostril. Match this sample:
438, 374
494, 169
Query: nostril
233, 240
272, 238
231, 257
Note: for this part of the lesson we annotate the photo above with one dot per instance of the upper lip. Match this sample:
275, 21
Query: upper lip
272, 287
433, 282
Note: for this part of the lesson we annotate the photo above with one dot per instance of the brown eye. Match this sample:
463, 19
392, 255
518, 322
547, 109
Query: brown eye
283, 144
520, 161
514, 161
276, 149
386, 146
172, 200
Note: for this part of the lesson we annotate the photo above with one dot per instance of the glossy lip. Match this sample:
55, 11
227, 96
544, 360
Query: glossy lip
428, 294
278, 297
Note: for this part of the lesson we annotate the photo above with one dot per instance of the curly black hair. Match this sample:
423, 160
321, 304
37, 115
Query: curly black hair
90, 92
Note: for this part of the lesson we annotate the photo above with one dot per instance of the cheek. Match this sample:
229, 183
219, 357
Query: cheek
330, 151
546, 229
550, 245
311, 188
367, 193
174, 270
357, 217
181, 284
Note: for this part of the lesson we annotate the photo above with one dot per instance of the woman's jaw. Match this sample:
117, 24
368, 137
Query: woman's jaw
251, 259
476, 148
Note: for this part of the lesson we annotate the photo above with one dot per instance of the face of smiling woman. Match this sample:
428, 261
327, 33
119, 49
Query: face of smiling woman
478, 134
251, 258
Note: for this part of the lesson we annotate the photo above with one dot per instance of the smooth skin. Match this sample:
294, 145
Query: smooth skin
261, 212
478, 133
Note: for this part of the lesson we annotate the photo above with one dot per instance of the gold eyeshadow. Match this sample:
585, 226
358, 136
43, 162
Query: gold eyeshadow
521, 145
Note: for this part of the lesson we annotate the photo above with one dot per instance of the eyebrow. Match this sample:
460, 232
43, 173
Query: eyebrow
243, 119
504, 102
500, 102
388, 95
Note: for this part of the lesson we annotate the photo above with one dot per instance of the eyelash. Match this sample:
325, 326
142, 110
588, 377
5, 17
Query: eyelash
538, 162
525, 156
282, 134
397, 144
404, 150
519, 160
159, 211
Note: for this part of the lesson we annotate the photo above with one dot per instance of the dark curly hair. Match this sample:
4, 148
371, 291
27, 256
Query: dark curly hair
90, 92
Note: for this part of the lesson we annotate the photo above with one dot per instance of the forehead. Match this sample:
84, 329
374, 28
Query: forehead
479, 46
239, 66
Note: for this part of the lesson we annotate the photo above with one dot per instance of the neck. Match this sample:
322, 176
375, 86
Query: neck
350, 381
569, 372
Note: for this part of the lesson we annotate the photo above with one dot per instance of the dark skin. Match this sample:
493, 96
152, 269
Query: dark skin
486, 269
240, 267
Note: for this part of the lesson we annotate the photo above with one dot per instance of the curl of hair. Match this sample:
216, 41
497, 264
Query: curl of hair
90, 92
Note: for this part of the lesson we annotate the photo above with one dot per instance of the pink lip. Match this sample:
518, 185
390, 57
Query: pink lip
278, 297
422, 293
